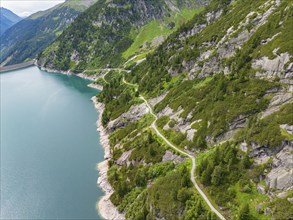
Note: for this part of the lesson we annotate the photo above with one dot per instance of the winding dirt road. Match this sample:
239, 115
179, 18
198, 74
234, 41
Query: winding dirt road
192, 177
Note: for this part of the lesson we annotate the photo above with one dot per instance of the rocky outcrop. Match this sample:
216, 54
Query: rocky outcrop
210, 61
123, 159
169, 156
277, 102
134, 114
156, 100
239, 122
182, 125
212, 16
257, 151
271, 68
261, 189
288, 128
243, 147
196, 29
281, 175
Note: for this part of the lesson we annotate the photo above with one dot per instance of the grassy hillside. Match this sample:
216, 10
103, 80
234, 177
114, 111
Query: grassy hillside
146, 34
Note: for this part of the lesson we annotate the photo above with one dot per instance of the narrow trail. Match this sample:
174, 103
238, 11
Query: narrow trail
103, 77
192, 177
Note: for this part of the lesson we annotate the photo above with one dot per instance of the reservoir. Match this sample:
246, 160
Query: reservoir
49, 146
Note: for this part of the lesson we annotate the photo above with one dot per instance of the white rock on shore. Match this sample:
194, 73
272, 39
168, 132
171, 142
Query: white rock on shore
81, 75
105, 206
96, 86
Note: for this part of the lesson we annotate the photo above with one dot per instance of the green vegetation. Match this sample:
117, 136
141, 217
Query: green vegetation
216, 101
164, 186
225, 171
108, 40
214, 104
267, 131
117, 97
155, 28
154, 75
279, 27
170, 192
282, 209
146, 35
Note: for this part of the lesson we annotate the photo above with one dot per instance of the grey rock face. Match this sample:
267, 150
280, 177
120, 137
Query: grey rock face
257, 151
196, 29
229, 48
273, 68
169, 156
212, 16
134, 114
182, 125
124, 158
281, 175
277, 102
239, 122
157, 100
261, 189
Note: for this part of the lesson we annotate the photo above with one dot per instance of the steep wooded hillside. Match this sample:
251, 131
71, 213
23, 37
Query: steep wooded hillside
7, 19
30, 36
106, 35
219, 88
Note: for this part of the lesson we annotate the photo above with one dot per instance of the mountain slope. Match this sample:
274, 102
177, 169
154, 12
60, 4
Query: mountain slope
30, 36
108, 29
7, 19
221, 88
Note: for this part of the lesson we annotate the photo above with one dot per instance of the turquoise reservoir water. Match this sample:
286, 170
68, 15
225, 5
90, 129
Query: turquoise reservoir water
49, 147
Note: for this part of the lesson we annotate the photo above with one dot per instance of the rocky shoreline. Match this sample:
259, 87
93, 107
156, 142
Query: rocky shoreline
81, 75
104, 205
